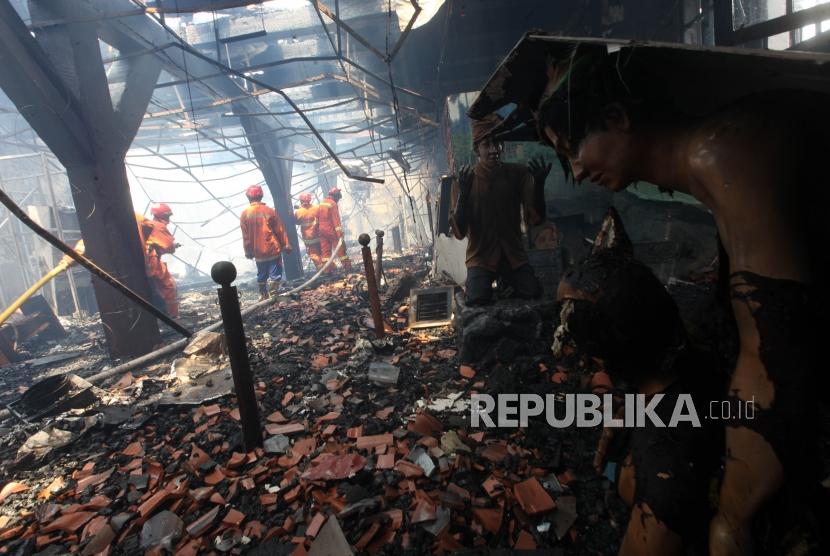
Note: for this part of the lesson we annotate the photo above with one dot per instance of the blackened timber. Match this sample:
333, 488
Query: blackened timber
85, 262
58, 82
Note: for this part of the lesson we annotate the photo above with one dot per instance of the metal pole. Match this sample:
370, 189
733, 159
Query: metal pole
429, 214
59, 226
372, 285
224, 273
379, 254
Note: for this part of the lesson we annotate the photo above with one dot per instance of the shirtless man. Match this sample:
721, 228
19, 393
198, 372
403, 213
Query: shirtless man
755, 165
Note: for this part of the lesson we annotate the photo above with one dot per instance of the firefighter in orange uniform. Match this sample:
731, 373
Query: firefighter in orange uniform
158, 242
331, 230
264, 239
306, 216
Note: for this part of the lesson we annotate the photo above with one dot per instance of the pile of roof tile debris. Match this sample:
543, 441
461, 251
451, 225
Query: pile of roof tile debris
367, 449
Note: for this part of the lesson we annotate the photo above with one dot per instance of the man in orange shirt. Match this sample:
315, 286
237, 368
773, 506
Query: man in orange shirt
158, 242
306, 216
264, 239
331, 230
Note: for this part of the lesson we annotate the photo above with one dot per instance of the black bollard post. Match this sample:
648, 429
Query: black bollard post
379, 254
374, 298
224, 273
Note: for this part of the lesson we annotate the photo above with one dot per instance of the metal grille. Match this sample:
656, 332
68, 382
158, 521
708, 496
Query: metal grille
430, 307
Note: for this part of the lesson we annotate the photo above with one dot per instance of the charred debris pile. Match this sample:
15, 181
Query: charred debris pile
367, 445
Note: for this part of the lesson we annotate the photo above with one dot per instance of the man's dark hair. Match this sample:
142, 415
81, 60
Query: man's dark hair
586, 84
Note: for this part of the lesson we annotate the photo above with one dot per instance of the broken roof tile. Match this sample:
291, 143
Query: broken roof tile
12, 488
69, 523
331, 467
490, 518
316, 523
288, 428
532, 497
369, 442
234, 518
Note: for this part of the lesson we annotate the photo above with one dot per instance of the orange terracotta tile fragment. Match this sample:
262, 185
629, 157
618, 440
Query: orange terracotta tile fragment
384, 413
408, 468
467, 371
93, 480
426, 425
532, 497
69, 523
233, 518
293, 494
493, 487
234, 414
525, 541
276, 417
214, 477
135, 450
369, 442
304, 446
330, 416
315, 525
237, 459
268, 499
287, 428
11, 533
367, 537
211, 410
566, 477
490, 518
386, 461
156, 500
495, 452
12, 488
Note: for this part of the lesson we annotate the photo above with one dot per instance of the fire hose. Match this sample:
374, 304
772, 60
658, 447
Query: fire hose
64, 264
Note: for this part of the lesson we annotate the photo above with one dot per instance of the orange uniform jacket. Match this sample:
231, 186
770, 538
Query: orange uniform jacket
161, 239
263, 235
145, 227
309, 225
329, 217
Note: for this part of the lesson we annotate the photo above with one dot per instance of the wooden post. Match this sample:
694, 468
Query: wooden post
372, 285
224, 273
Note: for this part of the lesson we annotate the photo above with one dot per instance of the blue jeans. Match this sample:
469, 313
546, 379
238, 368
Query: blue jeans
269, 270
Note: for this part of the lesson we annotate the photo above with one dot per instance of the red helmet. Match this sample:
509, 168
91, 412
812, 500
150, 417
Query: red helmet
254, 192
335, 193
161, 210
305, 198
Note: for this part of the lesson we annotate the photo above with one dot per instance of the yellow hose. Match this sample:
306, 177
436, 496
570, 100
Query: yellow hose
31, 291
64, 263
